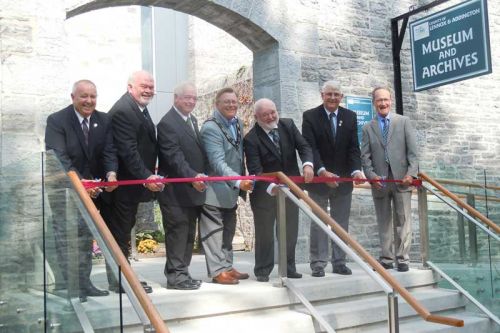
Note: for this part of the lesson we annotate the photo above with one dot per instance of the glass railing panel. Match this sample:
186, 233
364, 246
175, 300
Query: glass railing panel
464, 252
76, 268
22, 278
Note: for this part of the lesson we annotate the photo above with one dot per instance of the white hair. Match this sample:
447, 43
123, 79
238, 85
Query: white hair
258, 104
331, 84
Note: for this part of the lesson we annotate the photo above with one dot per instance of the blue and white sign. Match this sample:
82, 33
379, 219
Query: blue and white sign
451, 45
363, 108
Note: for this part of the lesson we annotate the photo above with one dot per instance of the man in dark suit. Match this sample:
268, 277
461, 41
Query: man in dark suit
181, 156
271, 146
135, 141
81, 139
332, 132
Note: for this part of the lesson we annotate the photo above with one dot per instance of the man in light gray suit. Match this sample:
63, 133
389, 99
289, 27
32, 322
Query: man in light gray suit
222, 139
389, 151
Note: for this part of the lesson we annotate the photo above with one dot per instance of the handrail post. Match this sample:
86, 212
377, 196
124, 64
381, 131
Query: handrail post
472, 232
423, 220
393, 316
281, 221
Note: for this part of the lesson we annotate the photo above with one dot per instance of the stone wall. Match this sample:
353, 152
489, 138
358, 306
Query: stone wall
296, 45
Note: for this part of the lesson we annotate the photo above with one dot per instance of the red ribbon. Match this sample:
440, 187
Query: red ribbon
296, 179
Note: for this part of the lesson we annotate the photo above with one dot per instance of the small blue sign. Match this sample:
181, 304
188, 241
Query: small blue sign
363, 108
451, 45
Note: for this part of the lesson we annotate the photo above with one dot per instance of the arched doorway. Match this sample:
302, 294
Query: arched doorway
235, 20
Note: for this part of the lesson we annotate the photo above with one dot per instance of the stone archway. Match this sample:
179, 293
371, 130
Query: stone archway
236, 19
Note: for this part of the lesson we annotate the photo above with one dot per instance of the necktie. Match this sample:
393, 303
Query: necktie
332, 117
232, 128
191, 125
85, 129
145, 112
385, 132
276, 139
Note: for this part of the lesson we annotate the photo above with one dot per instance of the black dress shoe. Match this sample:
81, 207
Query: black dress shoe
293, 275
92, 291
184, 285
342, 270
386, 266
402, 267
318, 272
195, 281
262, 278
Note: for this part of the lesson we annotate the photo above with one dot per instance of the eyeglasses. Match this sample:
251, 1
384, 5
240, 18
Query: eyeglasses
189, 98
333, 94
230, 102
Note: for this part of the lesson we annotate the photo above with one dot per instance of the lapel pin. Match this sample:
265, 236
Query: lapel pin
95, 125
340, 123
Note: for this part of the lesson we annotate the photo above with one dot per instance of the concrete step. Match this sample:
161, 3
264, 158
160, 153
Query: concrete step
281, 320
335, 287
473, 323
370, 310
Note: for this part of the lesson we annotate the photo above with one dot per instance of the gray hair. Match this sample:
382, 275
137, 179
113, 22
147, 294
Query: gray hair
181, 87
132, 78
77, 83
258, 104
331, 84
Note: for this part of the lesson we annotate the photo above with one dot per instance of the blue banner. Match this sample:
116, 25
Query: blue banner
363, 108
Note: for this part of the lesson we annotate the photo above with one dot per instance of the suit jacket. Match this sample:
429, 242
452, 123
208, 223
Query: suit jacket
340, 155
64, 135
225, 158
180, 154
262, 156
401, 148
135, 141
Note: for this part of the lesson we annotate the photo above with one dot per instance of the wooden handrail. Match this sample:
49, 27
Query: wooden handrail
366, 186
467, 184
472, 211
327, 219
138, 290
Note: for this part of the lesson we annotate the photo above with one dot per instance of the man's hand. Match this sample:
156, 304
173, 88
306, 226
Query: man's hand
308, 173
358, 175
407, 180
200, 186
378, 185
111, 178
329, 174
94, 191
154, 187
246, 185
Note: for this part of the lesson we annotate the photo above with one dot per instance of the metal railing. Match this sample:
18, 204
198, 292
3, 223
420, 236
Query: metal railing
148, 314
472, 211
464, 210
388, 283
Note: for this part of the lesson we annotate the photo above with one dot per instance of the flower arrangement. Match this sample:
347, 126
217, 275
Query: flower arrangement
147, 246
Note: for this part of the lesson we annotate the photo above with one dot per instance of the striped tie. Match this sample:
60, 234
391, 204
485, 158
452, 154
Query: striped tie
385, 132
85, 129
276, 139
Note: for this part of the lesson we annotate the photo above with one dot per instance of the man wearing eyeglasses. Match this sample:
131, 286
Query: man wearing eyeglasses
389, 150
222, 138
181, 155
332, 132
